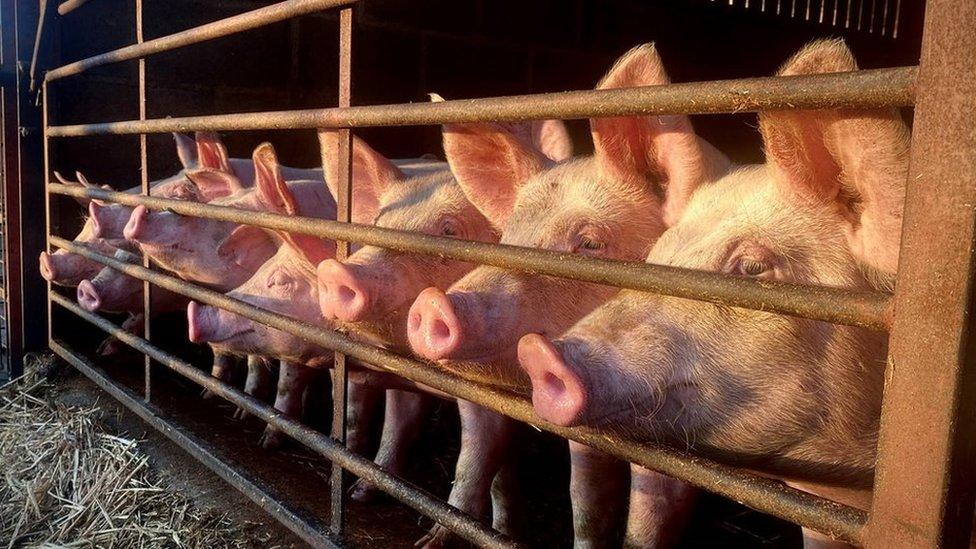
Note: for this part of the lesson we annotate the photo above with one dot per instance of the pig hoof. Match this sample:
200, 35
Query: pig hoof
272, 439
240, 414
437, 538
364, 492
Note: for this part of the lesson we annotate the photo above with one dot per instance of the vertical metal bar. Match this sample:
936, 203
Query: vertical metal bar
144, 174
13, 179
344, 154
884, 18
894, 32
924, 482
47, 198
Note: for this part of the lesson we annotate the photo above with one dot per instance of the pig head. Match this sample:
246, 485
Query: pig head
284, 284
771, 390
612, 205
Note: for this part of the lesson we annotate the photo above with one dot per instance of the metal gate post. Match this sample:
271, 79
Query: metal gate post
927, 457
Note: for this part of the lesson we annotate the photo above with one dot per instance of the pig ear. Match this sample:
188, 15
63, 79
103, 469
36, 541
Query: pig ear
491, 164
314, 250
214, 184
247, 246
211, 152
272, 189
662, 152
372, 174
855, 159
551, 137
274, 192
82, 200
186, 150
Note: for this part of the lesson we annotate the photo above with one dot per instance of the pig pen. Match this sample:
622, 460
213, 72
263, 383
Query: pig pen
257, 71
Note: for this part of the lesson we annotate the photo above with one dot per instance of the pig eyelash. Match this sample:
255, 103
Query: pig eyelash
588, 245
450, 228
753, 268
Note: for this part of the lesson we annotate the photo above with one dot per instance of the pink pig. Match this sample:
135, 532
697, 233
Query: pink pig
369, 294
105, 221
614, 204
285, 283
116, 292
825, 209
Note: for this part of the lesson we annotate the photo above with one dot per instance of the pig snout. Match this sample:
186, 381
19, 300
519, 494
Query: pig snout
66, 269
48, 266
202, 321
212, 325
342, 295
559, 394
108, 221
88, 296
433, 328
135, 228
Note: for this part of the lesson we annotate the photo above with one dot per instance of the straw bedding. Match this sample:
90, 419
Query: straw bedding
65, 481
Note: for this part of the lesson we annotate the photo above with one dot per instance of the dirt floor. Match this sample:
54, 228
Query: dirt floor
301, 478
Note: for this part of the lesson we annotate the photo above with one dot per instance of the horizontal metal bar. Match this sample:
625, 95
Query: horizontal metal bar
305, 526
413, 496
224, 27
860, 89
865, 309
763, 494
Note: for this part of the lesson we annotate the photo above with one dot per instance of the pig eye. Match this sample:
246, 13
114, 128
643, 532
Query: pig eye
450, 228
588, 245
751, 267
279, 279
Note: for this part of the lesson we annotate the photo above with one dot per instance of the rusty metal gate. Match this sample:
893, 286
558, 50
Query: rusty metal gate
20, 191
923, 483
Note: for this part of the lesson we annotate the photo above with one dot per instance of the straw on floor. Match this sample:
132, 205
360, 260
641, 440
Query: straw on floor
67, 482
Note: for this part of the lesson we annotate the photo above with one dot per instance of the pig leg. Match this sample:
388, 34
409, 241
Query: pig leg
223, 369
660, 508
598, 488
362, 402
260, 380
292, 379
404, 416
485, 440
507, 505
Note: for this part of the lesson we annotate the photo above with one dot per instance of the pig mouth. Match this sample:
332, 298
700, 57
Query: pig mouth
166, 247
235, 335
635, 407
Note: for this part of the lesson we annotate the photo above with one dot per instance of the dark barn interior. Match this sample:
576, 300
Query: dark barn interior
402, 52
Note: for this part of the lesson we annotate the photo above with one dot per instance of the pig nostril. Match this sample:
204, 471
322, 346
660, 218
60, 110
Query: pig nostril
555, 386
346, 295
439, 330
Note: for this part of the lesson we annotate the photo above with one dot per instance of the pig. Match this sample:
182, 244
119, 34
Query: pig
105, 221
824, 209
116, 292
224, 255
369, 293
112, 291
212, 176
611, 205
284, 283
